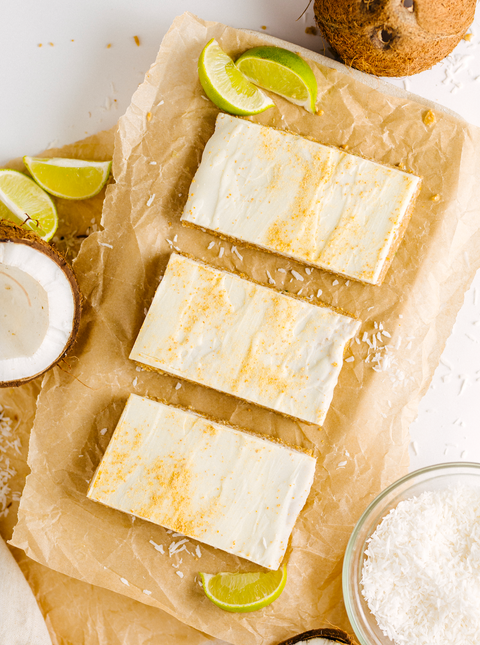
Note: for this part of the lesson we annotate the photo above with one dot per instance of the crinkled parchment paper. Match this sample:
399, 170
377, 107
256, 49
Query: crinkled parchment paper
363, 445
76, 612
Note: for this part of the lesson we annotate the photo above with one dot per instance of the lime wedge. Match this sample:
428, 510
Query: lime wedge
69, 178
242, 592
226, 86
23, 201
280, 71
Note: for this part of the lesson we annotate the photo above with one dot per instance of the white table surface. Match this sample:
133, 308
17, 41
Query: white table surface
74, 85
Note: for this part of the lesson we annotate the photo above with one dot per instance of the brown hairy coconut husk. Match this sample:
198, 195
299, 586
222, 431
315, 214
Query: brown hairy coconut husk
319, 636
393, 37
40, 305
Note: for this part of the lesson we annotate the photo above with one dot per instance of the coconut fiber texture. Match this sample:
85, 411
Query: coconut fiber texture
393, 37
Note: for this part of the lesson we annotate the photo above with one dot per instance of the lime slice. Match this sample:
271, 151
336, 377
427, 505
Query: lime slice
23, 201
69, 178
280, 71
242, 592
226, 86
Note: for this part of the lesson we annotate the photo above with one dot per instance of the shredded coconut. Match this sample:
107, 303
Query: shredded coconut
109, 246
179, 574
7, 471
103, 431
211, 245
421, 578
157, 547
335, 282
235, 250
270, 279
147, 592
297, 275
150, 199
125, 581
178, 386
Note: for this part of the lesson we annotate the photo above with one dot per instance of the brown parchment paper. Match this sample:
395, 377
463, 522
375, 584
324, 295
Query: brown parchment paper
363, 445
77, 613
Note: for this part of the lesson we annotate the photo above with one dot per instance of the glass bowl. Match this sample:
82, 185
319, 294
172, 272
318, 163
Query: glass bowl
436, 477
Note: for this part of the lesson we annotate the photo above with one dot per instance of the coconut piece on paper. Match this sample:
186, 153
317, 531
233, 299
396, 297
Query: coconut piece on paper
230, 489
296, 197
231, 334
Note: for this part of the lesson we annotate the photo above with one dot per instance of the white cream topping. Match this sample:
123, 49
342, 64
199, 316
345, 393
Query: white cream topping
220, 330
20, 267
299, 198
232, 490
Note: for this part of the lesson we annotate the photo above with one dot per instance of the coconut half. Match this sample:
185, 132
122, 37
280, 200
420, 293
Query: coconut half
40, 306
320, 637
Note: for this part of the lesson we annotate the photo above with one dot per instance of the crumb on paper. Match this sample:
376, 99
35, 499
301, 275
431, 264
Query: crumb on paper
51, 44
149, 116
137, 41
39, 45
468, 37
109, 45
320, 112
297, 275
311, 31
344, 146
429, 117
157, 547
264, 27
435, 198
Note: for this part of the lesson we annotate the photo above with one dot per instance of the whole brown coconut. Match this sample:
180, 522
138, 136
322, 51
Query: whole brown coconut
393, 37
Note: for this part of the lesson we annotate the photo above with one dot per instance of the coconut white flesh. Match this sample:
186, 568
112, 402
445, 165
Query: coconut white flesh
37, 310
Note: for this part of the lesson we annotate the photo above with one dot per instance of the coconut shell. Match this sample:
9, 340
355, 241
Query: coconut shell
332, 634
10, 232
393, 37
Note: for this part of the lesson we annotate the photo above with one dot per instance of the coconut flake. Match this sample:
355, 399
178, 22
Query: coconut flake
147, 592
297, 275
125, 581
211, 245
150, 200
235, 250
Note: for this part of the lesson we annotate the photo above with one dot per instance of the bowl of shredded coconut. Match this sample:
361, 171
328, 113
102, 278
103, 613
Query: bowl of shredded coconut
411, 573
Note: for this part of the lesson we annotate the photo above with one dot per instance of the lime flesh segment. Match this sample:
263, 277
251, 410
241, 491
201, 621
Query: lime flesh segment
23, 202
280, 71
226, 86
243, 592
69, 178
